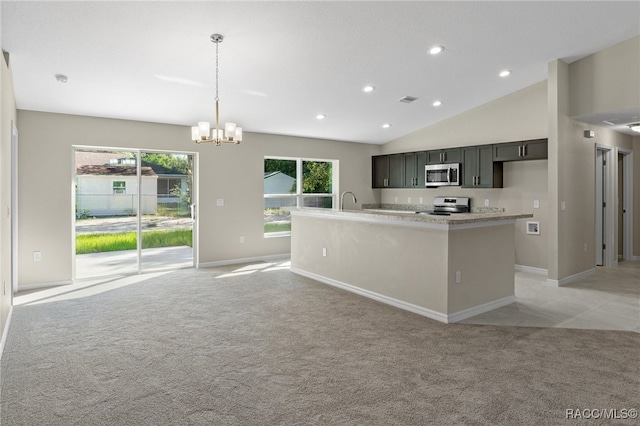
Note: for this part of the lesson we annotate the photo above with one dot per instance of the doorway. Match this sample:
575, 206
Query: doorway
133, 211
625, 204
603, 207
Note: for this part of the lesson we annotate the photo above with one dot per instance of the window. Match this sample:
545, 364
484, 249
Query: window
283, 189
169, 187
119, 187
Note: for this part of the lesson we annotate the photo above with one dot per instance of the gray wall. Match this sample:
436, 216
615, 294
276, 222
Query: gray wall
230, 172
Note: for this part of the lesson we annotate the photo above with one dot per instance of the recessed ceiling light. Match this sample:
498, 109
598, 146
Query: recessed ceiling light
435, 50
368, 89
386, 125
437, 103
504, 73
320, 116
61, 78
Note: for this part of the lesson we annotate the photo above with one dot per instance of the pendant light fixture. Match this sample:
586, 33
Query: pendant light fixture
202, 132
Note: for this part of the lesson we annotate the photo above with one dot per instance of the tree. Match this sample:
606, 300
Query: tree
316, 177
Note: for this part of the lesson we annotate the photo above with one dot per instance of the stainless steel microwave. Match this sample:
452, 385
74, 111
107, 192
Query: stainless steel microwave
442, 175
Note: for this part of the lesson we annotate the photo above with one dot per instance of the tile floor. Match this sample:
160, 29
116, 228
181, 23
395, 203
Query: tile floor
607, 300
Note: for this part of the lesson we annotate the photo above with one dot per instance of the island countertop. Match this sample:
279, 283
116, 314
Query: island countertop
412, 218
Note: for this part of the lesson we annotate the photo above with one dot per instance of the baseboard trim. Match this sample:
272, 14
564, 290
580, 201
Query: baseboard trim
481, 309
43, 285
5, 332
429, 313
635, 258
531, 270
571, 278
274, 257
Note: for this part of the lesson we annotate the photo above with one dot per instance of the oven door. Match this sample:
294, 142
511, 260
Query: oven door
437, 175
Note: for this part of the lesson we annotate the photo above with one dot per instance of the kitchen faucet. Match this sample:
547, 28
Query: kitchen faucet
342, 198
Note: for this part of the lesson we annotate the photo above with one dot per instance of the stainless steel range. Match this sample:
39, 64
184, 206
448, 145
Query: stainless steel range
443, 205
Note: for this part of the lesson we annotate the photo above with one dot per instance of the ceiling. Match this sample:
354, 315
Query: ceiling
283, 63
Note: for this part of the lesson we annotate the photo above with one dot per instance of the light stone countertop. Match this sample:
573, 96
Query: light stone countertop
408, 217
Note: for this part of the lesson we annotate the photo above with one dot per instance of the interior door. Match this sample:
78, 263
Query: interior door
600, 206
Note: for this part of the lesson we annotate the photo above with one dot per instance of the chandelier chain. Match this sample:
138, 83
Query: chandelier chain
217, 72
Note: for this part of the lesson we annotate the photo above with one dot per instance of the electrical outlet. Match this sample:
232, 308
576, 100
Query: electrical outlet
37, 256
536, 204
486, 202
458, 277
324, 252
421, 200
563, 205
409, 200
395, 200
242, 239
220, 202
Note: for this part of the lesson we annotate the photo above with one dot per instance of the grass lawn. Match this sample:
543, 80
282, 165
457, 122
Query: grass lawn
277, 227
98, 243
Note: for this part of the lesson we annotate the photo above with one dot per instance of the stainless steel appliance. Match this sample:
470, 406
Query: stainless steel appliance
443, 205
442, 175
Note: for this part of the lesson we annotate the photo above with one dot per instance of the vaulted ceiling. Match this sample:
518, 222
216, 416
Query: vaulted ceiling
283, 63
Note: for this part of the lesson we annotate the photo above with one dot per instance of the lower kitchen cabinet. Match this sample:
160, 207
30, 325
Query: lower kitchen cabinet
479, 170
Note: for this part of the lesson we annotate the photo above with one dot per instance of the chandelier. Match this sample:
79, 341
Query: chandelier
202, 132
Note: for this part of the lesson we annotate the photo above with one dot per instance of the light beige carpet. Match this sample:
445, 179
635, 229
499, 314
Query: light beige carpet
198, 347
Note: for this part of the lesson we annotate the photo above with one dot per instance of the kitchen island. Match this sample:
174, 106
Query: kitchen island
444, 267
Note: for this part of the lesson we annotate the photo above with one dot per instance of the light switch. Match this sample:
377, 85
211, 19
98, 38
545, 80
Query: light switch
563, 205
220, 202
536, 204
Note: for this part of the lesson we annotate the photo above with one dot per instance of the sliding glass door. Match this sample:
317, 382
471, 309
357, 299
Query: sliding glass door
132, 211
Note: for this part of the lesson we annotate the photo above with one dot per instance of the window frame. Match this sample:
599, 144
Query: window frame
119, 190
299, 196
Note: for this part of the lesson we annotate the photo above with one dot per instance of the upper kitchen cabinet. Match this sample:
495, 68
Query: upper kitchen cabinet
414, 163
479, 169
535, 149
443, 156
387, 171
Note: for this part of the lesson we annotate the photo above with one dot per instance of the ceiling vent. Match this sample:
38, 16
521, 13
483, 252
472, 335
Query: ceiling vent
407, 99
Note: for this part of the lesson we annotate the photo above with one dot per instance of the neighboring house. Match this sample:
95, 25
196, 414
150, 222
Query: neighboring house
96, 170
278, 183
112, 190
171, 183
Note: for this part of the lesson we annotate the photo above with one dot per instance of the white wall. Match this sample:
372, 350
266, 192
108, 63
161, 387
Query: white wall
95, 195
234, 173
7, 116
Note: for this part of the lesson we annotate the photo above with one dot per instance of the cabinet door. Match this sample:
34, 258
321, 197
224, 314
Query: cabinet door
434, 157
507, 151
453, 155
396, 170
380, 171
535, 149
410, 168
489, 172
444, 156
421, 161
469, 166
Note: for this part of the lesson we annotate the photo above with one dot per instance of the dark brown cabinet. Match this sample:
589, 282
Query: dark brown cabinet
414, 163
535, 149
387, 171
478, 169
443, 156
